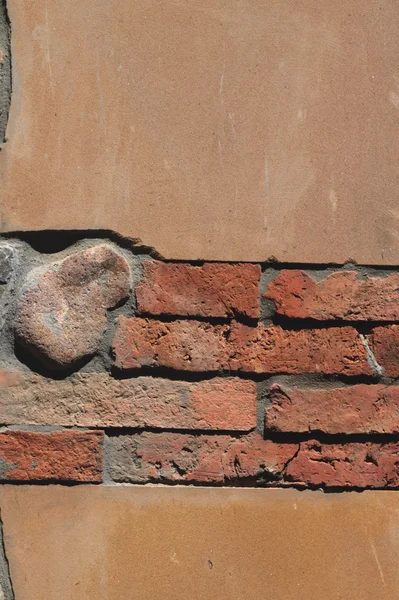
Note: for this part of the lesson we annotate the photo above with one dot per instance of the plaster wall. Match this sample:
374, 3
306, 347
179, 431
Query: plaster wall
211, 130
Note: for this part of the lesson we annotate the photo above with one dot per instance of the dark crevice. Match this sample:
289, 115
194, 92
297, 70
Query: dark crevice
114, 432
5, 573
163, 318
180, 374
330, 438
362, 326
5, 70
29, 357
51, 241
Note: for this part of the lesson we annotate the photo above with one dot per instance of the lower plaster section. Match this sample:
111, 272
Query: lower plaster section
124, 542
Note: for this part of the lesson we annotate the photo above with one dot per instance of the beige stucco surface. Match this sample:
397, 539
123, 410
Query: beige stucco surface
234, 130
103, 543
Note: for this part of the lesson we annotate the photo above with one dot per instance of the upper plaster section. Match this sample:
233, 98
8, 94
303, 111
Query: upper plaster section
238, 130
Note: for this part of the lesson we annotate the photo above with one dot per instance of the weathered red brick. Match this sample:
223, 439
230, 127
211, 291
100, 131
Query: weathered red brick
351, 409
98, 400
174, 457
198, 346
211, 290
58, 455
341, 295
384, 342
363, 465
336, 350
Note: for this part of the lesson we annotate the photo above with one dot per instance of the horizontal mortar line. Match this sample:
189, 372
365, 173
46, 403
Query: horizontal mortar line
114, 431
197, 376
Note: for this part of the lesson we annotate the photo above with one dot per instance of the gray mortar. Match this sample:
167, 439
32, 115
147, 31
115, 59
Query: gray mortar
5, 579
5, 71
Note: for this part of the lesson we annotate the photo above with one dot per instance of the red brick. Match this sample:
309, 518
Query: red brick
363, 465
351, 409
173, 457
198, 346
341, 295
384, 343
336, 350
212, 290
98, 400
59, 456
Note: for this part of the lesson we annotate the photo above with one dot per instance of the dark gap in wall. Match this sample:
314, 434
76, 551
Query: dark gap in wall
51, 241
5, 70
112, 432
30, 358
178, 375
294, 324
243, 319
47, 482
331, 438
5, 574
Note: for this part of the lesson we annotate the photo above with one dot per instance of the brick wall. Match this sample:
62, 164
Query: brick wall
116, 366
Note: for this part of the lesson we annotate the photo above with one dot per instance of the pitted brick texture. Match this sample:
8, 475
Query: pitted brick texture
59, 455
349, 410
62, 313
197, 346
341, 295
98, 400
359, 465
212, 290
173, 457
384, 342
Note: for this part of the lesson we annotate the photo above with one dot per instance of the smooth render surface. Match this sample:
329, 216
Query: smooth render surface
237, 130
145, 543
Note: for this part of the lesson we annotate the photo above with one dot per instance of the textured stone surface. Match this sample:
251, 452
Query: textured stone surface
341, 295
175, 457
351, 409
98, 400
384, 342
62, 312
197, 346
58, 455
115, 542
261, 130
373, 465
212, 290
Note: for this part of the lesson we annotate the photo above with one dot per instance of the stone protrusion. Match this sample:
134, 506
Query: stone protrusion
62, 312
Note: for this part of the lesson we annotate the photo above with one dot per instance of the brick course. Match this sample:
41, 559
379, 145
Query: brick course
198, 346
350, 410
57, 456
360, 465
174, 457
211, 290
342, 295
98, 400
